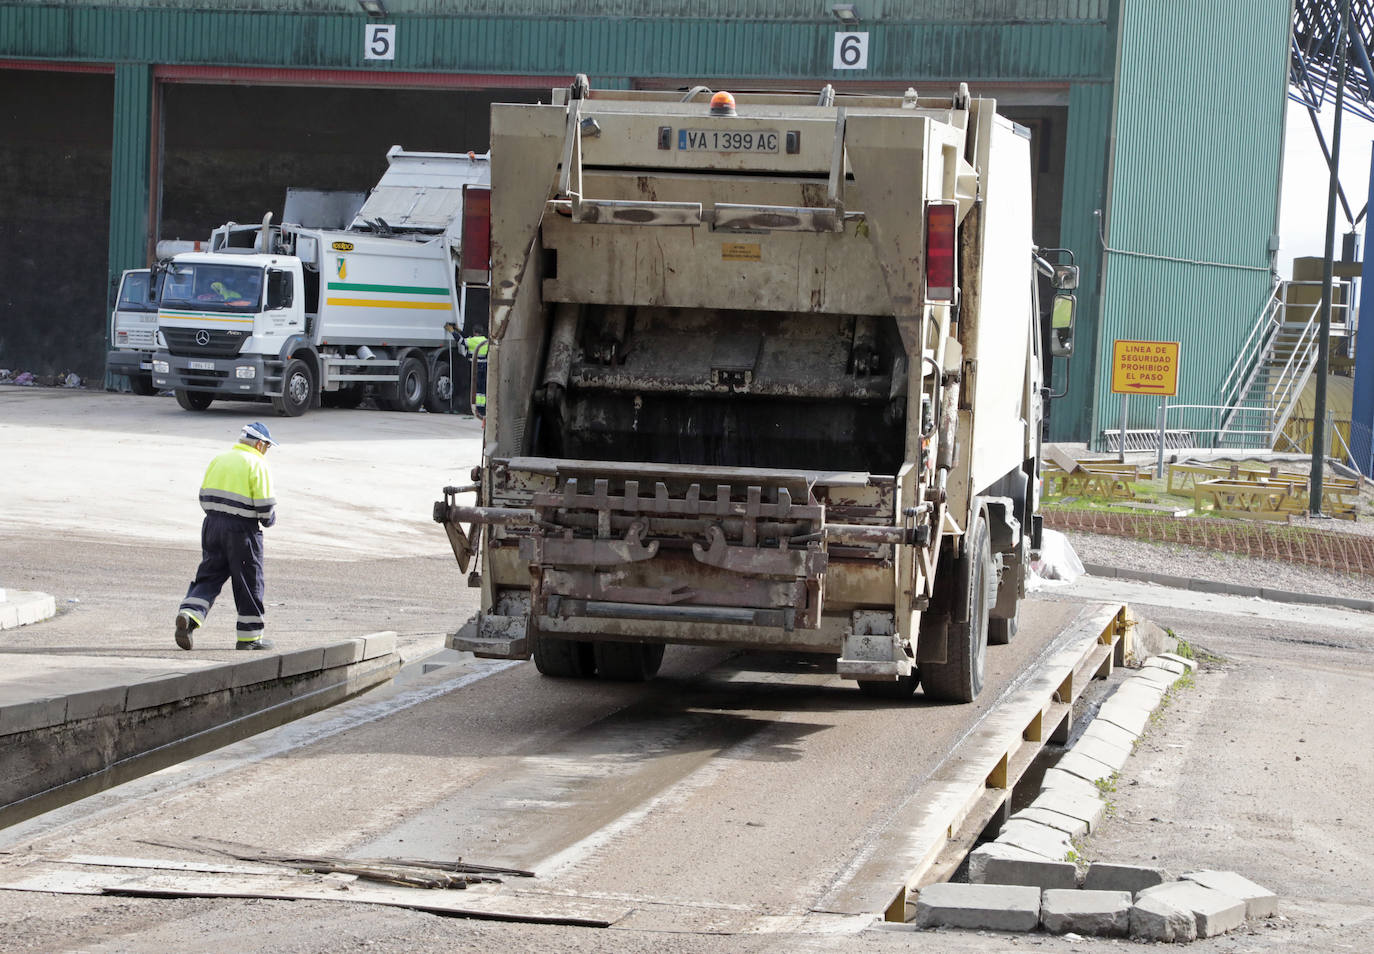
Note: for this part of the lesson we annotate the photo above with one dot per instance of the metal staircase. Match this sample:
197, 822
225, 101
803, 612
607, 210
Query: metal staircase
1264, 386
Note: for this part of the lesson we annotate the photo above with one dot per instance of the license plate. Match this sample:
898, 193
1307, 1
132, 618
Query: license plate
202, 365
728, 140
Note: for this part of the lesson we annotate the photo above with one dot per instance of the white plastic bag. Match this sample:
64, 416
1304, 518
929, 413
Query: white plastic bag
1057, 562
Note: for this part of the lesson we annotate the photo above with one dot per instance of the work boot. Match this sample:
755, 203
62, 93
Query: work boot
186, 624
259, 643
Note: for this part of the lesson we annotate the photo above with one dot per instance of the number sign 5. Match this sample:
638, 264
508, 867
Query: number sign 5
851, 51
379, 41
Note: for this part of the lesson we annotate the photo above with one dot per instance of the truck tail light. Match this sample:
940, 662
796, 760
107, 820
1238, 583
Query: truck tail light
941, 229
475, 254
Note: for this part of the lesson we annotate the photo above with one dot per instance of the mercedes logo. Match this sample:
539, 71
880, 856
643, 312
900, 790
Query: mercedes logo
202, 338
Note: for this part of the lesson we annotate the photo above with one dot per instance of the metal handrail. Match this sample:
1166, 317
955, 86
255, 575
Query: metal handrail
1252, 352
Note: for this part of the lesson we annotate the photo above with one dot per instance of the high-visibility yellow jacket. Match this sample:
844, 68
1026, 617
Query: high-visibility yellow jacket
238, 483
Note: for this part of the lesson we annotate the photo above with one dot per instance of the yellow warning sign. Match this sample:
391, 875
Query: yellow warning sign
1145, 367
741, 252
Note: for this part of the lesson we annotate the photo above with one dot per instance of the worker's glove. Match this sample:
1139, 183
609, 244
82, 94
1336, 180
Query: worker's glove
268, 520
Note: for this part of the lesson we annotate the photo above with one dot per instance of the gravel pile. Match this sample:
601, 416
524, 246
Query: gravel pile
1222, 567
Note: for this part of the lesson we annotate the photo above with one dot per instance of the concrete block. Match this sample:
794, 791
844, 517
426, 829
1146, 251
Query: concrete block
1155, 919
1214, 586
998, 863
1102, 876
1259, 902
1057, 780
1140, 693
1161, 679
1084, 767
34, 714
1041, 839
1191, 664
1165, 663
1130, 716
302, 661
202, 682
1288, 596
1073, 827
20, 608
261, 668
1151, 639
1110, 733
1089, 809
1111, 755
379, 644
1091, 913
1215, 912
156, 692
979, 907
343, 654
96, 702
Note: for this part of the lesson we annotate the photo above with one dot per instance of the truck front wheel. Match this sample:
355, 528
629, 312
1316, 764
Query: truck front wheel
960, 677
193, 400
297, 389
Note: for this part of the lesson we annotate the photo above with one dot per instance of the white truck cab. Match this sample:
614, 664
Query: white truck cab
133, 331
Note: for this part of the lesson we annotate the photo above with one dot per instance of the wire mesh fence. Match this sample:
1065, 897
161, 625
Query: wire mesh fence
1326, 549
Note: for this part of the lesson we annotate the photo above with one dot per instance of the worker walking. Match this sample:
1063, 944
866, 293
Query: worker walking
236, 496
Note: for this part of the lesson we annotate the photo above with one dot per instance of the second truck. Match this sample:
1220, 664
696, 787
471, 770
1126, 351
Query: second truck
765, 373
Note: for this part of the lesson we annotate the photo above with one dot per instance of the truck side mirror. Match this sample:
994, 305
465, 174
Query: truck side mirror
1065, 277
1061, 325
278, 290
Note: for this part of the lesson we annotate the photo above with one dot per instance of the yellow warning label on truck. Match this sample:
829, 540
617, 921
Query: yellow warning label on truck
741, 252
1145, 367
342, 246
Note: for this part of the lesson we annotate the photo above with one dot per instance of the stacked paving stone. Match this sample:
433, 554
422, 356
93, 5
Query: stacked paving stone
1025, 878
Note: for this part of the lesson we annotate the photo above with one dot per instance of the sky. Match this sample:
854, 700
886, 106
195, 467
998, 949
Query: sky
1302, 207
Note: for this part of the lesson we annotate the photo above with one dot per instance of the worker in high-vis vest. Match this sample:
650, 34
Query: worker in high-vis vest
475, 346
236, 496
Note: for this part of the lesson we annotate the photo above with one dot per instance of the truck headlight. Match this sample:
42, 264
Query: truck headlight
245, 371
161, 367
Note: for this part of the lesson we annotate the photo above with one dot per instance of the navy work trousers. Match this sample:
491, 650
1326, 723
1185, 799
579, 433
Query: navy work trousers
231, 549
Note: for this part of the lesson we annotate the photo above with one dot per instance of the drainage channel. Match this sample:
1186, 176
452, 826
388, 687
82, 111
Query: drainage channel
183, 729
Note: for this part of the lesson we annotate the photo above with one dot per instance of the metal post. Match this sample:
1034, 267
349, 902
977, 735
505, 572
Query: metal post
1314, 502
1362, 404
1121, 444
1163, 419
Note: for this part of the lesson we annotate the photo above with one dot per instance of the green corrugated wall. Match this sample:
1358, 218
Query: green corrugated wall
130, 168
1196, 159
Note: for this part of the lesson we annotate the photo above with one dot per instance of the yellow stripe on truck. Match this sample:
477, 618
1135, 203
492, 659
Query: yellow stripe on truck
382, 303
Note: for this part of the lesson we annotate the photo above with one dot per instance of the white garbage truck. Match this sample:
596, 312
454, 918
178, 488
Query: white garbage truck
765, 372
308, 316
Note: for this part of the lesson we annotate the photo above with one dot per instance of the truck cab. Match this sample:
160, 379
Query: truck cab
221, 315
133, 331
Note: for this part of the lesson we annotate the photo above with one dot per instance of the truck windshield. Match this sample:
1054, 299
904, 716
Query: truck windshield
133, 294
208, 287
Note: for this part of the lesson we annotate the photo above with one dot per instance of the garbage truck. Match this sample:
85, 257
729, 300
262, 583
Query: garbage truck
765, 372
304, 316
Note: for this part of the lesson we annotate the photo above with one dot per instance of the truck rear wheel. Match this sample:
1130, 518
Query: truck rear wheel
627, 662
448, 385
410, 389
193, 400
563, 658
960, 677
297, 389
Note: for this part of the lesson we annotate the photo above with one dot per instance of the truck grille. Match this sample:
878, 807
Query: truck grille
218, 344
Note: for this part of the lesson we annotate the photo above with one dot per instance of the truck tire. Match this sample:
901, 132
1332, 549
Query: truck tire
960, 677
448, 385
410, 389
627, 662
900, 688
563, 658
297, 389
193, 400
141, 384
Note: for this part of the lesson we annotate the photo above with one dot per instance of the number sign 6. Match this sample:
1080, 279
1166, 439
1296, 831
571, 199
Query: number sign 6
851, 51
379, 41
